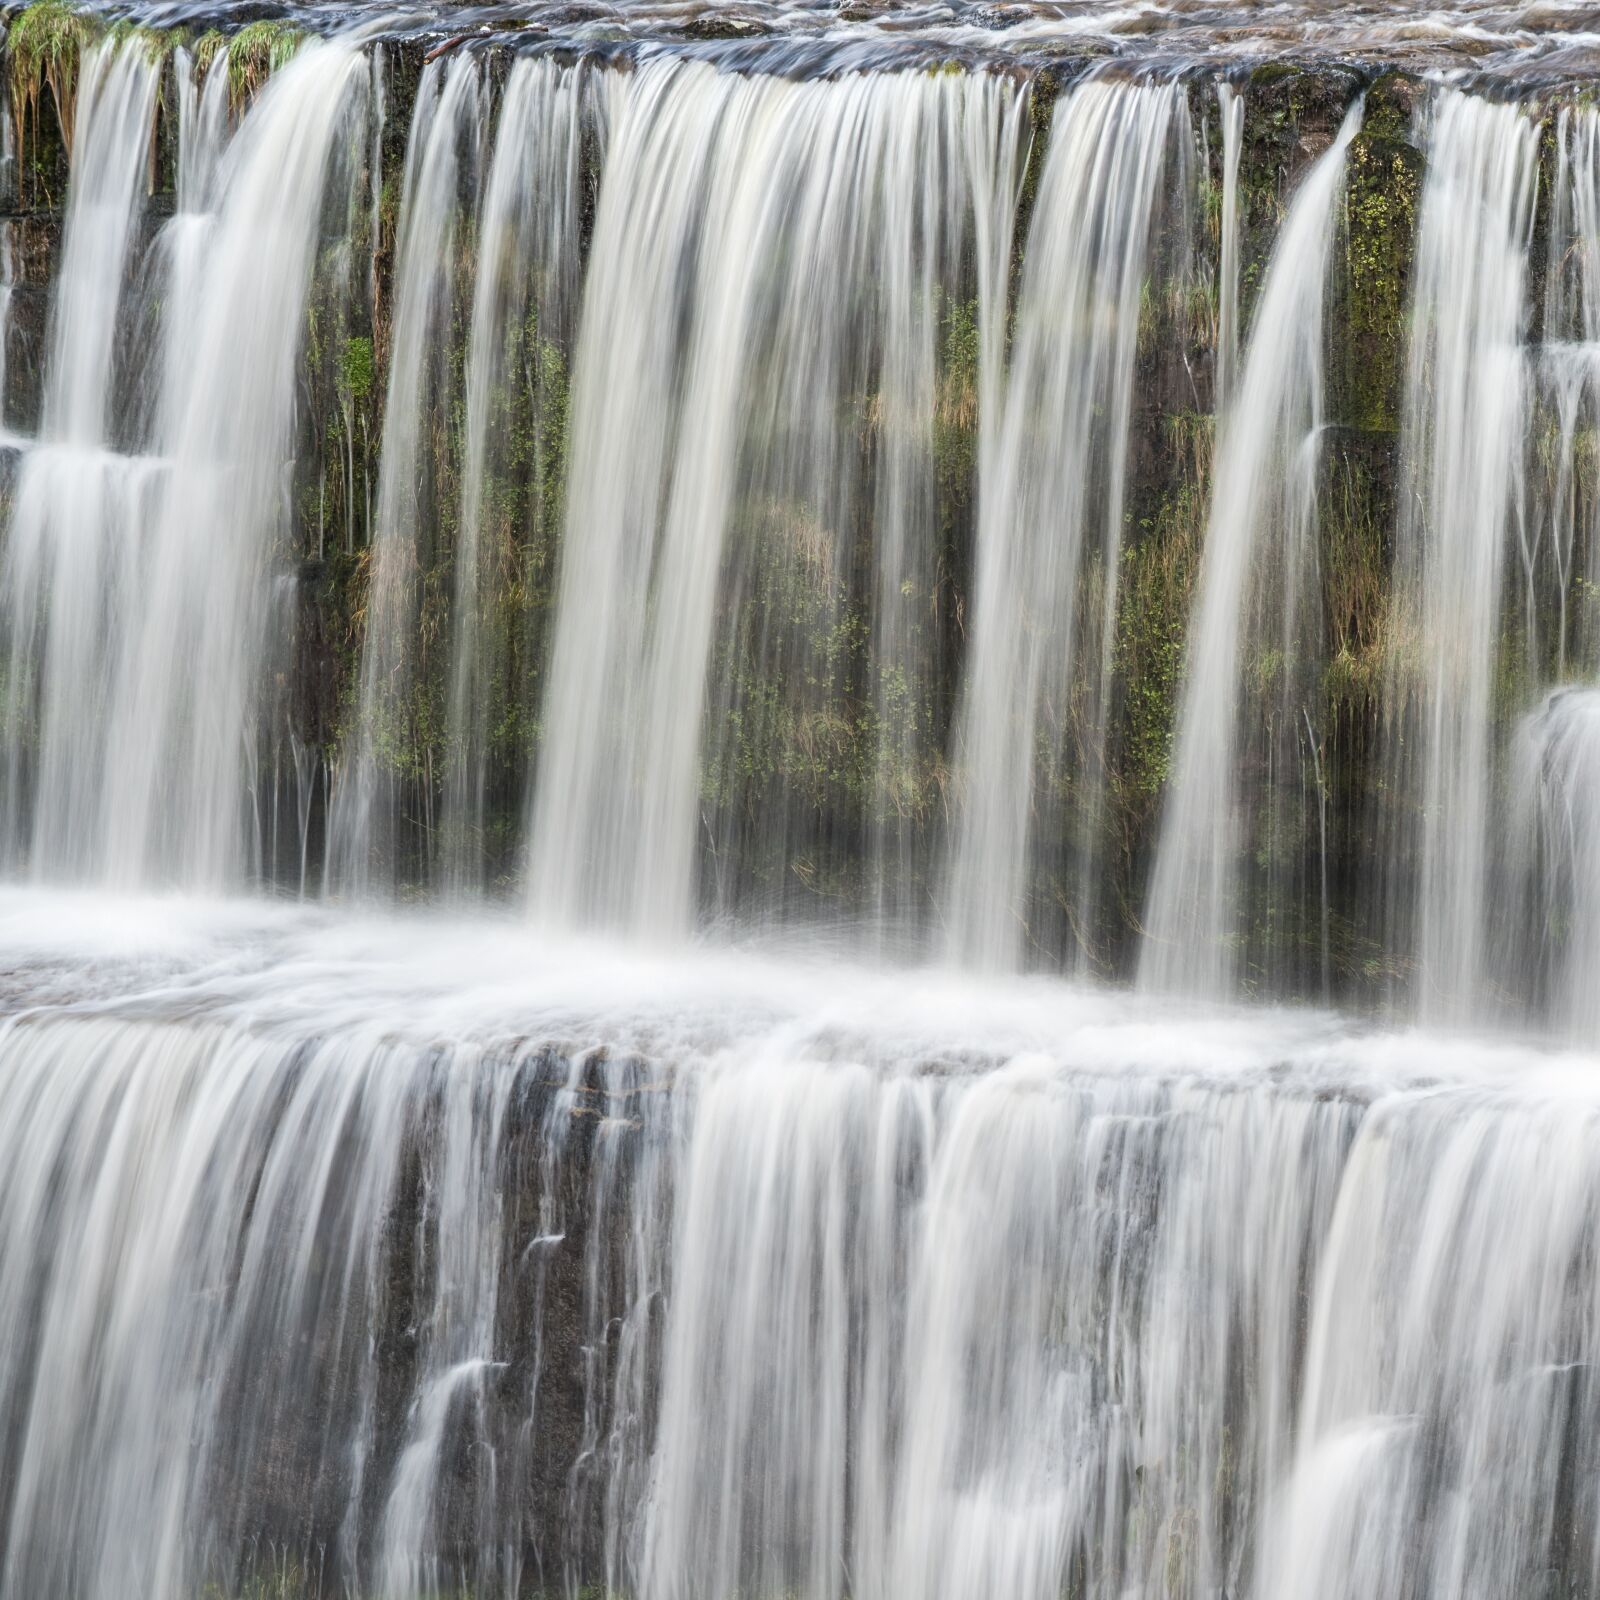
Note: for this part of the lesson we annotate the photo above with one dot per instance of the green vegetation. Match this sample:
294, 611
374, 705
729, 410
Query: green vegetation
357, 368
1355, 511
1381, 205
45, 46
1148, 650
255, 52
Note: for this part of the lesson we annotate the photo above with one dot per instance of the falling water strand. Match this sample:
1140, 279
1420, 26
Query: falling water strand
1555, 789
1257, 599
1051, 509
1570, 373
734, 323
1465, 420
110, 144
202, 137
133, 582
523, 306
393, 713
1230, 109
69, 520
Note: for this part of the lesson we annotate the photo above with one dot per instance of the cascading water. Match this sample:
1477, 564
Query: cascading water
76, 498
771, 1307
1465, 423
746, 477
445, 132
764, 253
1570, 373
1050, 520
1554, 771
132, 582
1248, 682
523, 303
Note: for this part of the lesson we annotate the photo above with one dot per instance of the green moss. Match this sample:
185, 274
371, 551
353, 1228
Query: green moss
543, 447
1387, 117
357, 368
1356, 513
1042, 95
1381, 207
1148, 651
955, 417
1272, 72
155, 43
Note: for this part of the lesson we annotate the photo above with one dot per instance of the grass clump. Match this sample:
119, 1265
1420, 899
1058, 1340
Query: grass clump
207, 48
257, 51
45, 48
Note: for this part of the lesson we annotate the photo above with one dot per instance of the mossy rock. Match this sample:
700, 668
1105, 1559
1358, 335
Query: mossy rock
44, 51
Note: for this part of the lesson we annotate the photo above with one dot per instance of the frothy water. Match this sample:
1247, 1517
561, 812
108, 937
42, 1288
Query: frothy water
712, 1269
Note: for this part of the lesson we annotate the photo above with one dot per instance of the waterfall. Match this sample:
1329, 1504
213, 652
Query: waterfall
1050, 521
726, 1292
130, 582
440, 158
74, 499
1250, 670
1546, 950
761, 249
1570, 371
186, 237
114, 103
523, 304
1465, 417
619, 628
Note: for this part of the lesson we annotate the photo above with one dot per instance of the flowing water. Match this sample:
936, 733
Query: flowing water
1465, 422
1248, 688
771, 265
667, 672
524, 301
445, 131
132, 587
1050, 520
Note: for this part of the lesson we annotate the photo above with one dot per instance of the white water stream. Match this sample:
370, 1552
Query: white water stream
1247, 683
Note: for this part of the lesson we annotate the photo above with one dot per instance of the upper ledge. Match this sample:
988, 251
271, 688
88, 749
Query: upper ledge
1554, 42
